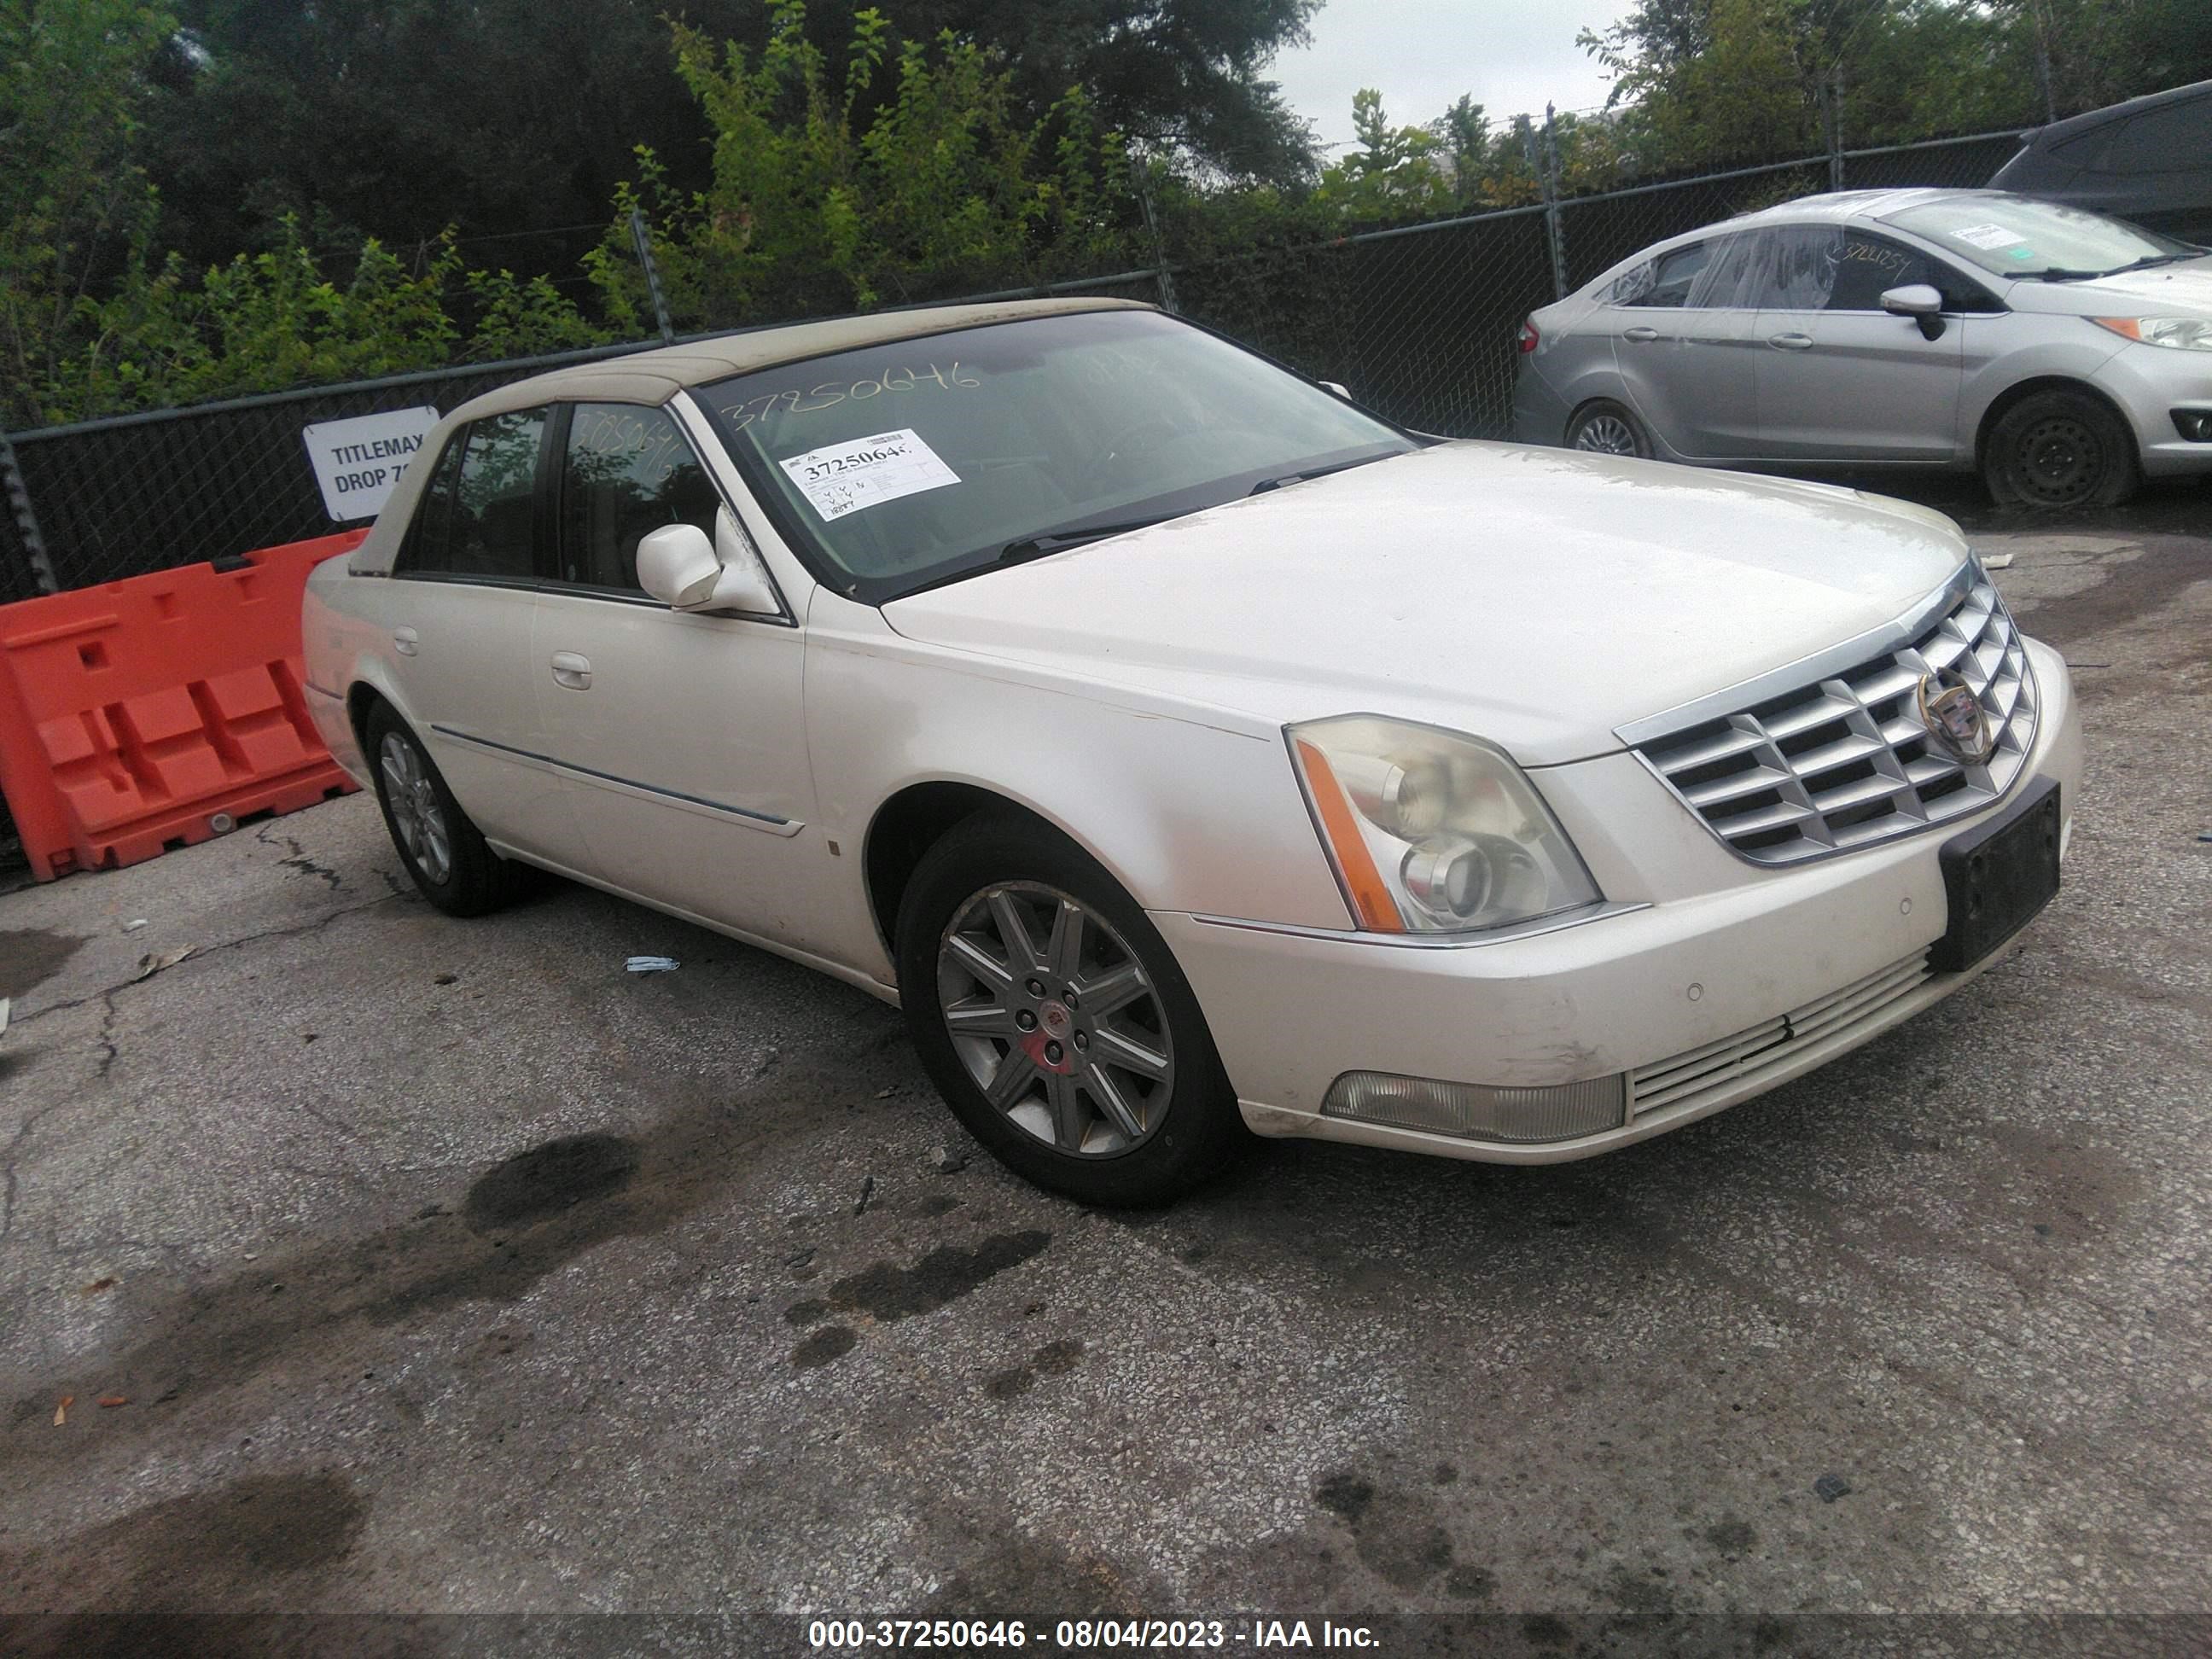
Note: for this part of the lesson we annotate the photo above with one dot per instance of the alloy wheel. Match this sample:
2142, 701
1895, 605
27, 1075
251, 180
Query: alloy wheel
416, 813
1606, 434
1055, 1019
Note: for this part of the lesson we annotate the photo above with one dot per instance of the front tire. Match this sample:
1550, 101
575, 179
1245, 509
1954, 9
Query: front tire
2054, 450
1054, 1021
449, 860
1603, 426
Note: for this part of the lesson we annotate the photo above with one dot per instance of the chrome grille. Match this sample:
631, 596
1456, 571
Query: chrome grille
1686, 1077
1841, 759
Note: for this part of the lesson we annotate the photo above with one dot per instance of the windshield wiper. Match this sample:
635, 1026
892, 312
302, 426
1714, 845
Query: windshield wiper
2060, 274
2150, 259
1282, 478
1074, 535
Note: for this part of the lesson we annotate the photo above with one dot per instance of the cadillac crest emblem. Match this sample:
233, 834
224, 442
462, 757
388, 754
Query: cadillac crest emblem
1955, 717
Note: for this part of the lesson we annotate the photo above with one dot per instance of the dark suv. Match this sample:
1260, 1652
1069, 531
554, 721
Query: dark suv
2149, 160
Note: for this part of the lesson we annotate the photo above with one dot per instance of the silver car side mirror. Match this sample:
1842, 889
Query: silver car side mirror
1919, 301
677, 565
1338, 387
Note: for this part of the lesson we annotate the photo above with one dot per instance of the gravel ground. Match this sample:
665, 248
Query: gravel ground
445, 1267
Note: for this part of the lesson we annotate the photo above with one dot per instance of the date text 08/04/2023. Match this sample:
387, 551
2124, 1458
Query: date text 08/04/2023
1088, 1635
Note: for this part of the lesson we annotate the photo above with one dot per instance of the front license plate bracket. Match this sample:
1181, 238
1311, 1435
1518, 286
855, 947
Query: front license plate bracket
1998, 878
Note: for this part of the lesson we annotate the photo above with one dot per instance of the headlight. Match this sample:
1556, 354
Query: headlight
1433, 832
2182, 333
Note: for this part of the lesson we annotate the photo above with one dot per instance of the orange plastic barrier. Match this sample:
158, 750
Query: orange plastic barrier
148, 714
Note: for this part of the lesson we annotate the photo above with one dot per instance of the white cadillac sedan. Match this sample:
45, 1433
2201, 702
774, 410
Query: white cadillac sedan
1189, 751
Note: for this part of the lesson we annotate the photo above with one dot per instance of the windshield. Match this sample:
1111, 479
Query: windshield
2016, 236
905, 464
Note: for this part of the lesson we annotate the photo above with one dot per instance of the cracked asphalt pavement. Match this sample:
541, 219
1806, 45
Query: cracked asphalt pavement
444, 1266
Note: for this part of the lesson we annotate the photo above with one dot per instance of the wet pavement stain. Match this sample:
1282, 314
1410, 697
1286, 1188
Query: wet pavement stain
1010, 1384
31, 955
524, 1218
944, 1276
830, 1342
1397, 1534
1053, 1359
1058, 1359
806, 1312
549, 1179
246, 1546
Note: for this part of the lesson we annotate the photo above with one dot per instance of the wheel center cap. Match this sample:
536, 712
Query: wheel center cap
1048, 1046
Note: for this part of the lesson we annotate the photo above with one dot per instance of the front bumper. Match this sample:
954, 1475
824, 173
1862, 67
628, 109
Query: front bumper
1702, 1001
2149, 383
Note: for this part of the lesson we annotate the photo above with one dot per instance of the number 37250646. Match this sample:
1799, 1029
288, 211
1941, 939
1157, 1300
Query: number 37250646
830, 393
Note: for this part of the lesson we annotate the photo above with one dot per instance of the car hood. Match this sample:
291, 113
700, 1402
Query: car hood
1536, 598
2184, 289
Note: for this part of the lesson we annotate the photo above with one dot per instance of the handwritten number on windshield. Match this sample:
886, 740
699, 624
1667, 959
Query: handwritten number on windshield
830, 393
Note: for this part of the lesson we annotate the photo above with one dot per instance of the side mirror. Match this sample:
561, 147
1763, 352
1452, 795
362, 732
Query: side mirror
1338, 387
678, 565
1919, 301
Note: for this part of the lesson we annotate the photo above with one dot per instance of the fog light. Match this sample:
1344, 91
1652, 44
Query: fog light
2194, 424
1475, 1111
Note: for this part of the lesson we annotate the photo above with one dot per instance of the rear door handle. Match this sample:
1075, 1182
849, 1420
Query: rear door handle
571, 669
404, 641
1791, 342
1640, 334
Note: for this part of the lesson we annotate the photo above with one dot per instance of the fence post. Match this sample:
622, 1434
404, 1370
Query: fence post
1547, 169
1160, 273
644, 242
1836, 130
26, 521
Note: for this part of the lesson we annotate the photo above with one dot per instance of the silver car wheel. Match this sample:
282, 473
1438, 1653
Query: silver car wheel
1607, 434
1055, 1018
2060, 461
416, 817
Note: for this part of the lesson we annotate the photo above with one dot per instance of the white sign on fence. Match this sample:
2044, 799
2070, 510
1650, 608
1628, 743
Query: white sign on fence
357, 462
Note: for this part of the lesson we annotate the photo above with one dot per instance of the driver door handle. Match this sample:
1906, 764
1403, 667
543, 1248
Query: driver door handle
1640, 334
1791, 342
571, 669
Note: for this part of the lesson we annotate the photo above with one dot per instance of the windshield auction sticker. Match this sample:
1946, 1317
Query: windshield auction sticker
1987, 236
848, 477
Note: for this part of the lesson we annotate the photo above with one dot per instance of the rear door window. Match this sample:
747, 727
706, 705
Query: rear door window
1664, 283
492, 530
1725, 283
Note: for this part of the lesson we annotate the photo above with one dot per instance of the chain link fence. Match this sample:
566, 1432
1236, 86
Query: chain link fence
1418, 321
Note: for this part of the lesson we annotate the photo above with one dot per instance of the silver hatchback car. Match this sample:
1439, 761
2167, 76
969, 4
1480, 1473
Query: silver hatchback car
2064, 355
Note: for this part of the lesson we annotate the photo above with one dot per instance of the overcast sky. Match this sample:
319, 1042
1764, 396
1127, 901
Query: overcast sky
1511, 55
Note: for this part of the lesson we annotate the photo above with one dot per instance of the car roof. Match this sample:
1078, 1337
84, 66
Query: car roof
2059, 131
655, 376
1836, 207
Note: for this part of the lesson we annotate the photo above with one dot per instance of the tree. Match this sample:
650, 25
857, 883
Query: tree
76, 209
815, 205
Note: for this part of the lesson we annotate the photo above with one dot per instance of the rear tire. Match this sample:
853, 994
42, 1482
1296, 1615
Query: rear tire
448, 857
2055, 449
1102, 1082
1602, 427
